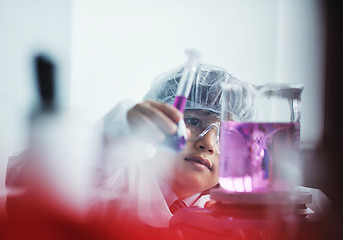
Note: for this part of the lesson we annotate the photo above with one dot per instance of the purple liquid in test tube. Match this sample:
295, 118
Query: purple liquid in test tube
180, 102
179, 140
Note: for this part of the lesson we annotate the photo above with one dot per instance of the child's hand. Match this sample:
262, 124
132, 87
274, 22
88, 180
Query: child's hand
153, 120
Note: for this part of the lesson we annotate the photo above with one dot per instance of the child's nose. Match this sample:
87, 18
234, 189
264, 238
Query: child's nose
207, 142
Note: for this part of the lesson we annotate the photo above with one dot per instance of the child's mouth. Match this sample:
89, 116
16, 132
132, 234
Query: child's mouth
201, 160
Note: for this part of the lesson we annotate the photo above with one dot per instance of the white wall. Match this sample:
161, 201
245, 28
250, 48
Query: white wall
300, 58
118, 47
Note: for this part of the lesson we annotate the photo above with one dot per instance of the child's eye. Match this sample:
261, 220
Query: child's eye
193, 122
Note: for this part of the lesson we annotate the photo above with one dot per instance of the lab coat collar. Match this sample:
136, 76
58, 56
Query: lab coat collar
170, 196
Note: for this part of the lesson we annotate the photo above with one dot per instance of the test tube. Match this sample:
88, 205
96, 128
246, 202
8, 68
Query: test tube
187, 78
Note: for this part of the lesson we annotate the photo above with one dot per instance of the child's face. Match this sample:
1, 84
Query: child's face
196, 166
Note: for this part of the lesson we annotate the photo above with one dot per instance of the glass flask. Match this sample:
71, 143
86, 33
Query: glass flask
259, 137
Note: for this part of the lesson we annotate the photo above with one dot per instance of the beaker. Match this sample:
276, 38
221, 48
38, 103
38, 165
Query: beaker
259, 138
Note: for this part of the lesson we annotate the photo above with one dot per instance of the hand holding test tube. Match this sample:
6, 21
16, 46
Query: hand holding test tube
158, 122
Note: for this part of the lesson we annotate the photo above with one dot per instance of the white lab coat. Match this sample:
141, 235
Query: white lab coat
138, 189
133, 180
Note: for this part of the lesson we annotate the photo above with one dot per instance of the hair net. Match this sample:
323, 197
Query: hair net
206, 91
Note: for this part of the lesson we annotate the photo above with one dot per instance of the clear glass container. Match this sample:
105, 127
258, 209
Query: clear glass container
260, 153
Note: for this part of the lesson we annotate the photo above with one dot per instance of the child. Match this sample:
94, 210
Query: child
152, 190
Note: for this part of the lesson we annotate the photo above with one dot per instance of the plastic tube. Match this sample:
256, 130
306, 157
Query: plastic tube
187, 79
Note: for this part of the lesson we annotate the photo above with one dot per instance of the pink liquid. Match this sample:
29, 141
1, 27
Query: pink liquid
178, 141
180, 102
253, 156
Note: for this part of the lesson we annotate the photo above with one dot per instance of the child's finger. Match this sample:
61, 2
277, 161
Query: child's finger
170, 111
